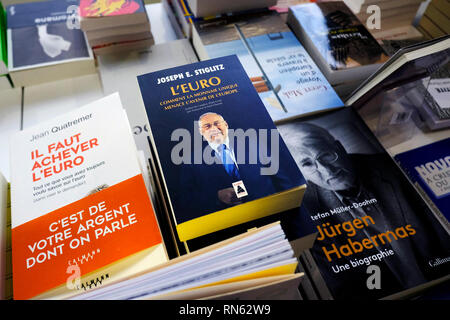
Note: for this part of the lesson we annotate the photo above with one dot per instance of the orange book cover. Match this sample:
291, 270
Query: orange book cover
81, 213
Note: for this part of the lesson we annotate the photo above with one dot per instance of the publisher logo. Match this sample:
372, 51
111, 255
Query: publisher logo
438, 261
239, 189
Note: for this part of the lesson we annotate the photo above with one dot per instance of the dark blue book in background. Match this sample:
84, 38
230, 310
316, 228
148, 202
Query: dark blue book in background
428, 168
222, 160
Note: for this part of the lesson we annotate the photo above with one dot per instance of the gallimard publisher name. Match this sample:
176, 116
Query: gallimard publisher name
59, 128
188, 74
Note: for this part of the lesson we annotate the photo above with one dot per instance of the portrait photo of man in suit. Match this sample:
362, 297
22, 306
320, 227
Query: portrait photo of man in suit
214, 129
232, 178
336, 181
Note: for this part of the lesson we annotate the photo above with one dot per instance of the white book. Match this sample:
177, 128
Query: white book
79, 201
45, 43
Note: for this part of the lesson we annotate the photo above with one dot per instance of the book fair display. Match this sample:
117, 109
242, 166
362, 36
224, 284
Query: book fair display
258, 150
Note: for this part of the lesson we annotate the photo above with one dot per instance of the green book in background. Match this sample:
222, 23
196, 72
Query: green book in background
3, 52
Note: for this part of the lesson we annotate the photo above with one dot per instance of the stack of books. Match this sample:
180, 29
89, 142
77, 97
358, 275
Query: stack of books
339, 43
435, 21
44, 43
115, 26
184, 13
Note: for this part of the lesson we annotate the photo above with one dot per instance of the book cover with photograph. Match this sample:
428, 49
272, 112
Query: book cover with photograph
220, 168
81, 213
288, 81
100, 15
376, 236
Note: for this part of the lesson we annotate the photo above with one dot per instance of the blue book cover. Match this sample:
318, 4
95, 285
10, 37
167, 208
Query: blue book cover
45, 33
288, 81
219, 151
428, 168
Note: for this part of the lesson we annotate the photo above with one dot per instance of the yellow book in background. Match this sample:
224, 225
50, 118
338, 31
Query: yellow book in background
430, 27
438, 17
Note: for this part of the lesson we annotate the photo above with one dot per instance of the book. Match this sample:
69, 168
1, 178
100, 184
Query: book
173, 19
81, 213
101, 14
9, 2
438, 17
5, 83
117, 31
113, 26
405, 33
437, 94
377, 237
427, 167
118, 73
44, 43
433, 93
382, 16
288, 81
258, 254
194, 116
306, 288
383, 10
393, 45
206, 8
341, 46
